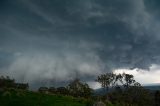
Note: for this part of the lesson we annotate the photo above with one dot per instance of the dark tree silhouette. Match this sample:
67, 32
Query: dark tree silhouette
128, 80
43, 89
107, 80
77, 88
112, 80
6, 82
52, 90
157, 98
62, 90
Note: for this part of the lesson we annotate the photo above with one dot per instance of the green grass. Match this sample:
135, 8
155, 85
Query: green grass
26, 98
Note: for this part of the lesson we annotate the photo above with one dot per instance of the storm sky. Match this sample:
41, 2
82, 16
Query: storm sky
49, 41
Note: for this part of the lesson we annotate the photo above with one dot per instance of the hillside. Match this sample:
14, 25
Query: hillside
28, 98
152, 88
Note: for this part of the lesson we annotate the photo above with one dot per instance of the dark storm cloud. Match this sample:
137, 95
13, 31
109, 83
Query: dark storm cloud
59, 39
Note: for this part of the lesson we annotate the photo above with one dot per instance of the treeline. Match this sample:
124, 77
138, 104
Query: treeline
7, 82
76, 88
125, 90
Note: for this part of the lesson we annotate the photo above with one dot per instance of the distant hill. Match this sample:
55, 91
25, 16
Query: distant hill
101, 91
152, 87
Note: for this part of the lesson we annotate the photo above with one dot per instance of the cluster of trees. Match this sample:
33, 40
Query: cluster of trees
125, 90
113, 80
76, 88
53, 90
7, 82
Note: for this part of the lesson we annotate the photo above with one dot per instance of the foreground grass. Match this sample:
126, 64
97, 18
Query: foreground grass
26, 98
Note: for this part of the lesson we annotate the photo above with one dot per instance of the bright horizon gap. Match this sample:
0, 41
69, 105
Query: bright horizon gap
145, 78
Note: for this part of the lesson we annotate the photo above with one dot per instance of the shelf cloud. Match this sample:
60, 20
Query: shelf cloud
65, 39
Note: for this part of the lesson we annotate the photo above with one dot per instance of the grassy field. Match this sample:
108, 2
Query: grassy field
27, 98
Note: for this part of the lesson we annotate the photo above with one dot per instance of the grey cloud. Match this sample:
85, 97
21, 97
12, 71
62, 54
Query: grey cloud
62, 38
39, 67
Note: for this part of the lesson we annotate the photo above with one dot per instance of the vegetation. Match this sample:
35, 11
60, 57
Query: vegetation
6, 82
112, 80
125, 91
157, 98
76, 89
12, 97
79, 89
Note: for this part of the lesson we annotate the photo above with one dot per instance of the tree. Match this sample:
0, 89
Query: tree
77, 88
62, 90
6, 82
129, 80
22, 86
87, 91
157, 98
107, 80
133, 94
112, 80
43, 89
52, 90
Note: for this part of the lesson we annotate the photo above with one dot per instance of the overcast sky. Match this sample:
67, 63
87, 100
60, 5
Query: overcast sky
46, 41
